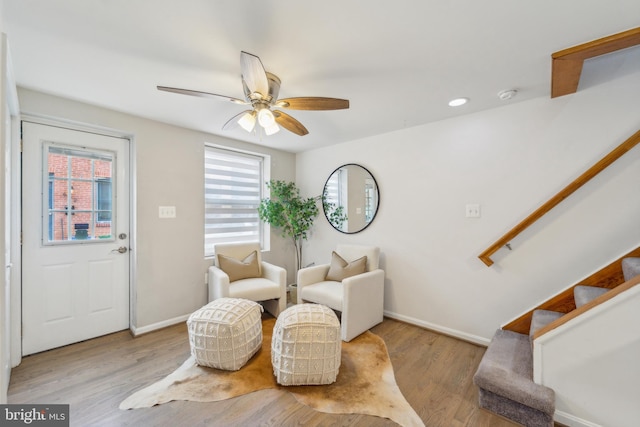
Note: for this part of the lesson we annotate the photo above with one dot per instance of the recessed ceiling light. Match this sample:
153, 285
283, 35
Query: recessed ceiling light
458, 102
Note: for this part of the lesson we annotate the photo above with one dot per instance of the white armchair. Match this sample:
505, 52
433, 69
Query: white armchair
359, 298
266, 283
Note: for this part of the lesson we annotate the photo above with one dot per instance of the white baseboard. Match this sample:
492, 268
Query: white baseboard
427, 325
155, 326
441, 329
572, 421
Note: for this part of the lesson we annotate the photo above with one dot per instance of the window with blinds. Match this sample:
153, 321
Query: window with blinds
233, 185
332, 193
335, 194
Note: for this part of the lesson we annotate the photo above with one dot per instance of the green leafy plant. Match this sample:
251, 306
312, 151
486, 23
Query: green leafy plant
295, 215
334, 213
290, 212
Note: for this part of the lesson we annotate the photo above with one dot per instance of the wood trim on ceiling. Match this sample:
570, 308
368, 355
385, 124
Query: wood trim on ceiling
566, 65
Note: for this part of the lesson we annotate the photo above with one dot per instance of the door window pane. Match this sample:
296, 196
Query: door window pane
79, 200
103, 199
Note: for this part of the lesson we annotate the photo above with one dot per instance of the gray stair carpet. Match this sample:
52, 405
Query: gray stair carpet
505, 374
542, 318
584, 294
630, 268
505, 382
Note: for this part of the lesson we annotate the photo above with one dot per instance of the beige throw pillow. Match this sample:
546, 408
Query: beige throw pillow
236, 269
341, 269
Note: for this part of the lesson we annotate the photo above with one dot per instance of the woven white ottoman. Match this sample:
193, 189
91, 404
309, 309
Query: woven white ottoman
306, 345
225, 333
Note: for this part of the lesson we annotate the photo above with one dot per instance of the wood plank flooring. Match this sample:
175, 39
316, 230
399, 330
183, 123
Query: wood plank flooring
433, 371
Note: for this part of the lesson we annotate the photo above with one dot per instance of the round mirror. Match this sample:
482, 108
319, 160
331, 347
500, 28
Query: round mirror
350, 198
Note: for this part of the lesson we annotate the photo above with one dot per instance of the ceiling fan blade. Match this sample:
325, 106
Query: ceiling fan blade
202, 94
289, 123
232, 123
254, 74
313, 103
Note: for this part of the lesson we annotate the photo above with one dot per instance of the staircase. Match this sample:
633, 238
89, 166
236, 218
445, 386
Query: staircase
505, 374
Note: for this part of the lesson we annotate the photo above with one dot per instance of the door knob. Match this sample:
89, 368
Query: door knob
121, 249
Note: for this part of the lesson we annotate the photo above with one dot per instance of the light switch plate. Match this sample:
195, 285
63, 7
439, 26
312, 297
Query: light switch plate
166, 211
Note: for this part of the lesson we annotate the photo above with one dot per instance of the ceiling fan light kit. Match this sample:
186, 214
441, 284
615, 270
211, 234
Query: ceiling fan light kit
265, 118
248, 121
271, 130
261, 89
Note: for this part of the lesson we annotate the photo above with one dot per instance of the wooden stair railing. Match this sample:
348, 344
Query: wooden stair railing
563, 194
609, 277
566, 65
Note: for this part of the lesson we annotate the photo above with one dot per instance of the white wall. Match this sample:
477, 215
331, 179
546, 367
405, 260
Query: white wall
5, 332
5, 231
170, 270
591, 363
509, 160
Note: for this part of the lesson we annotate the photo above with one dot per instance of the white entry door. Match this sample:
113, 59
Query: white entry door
75, 262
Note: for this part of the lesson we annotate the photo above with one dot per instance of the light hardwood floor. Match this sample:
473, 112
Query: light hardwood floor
433, 371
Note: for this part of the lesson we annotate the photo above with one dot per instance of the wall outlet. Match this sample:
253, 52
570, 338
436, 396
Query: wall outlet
473, 211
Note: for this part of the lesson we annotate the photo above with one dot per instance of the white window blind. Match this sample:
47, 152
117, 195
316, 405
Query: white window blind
233, 185
332, 188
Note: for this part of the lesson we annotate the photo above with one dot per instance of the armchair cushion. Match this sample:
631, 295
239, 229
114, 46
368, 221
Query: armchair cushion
255, 289
236, 269
328, 292
339, 269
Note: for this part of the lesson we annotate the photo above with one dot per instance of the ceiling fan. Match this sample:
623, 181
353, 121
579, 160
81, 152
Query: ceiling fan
261, 90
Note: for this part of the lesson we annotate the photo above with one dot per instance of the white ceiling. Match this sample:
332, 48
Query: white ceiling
398, 62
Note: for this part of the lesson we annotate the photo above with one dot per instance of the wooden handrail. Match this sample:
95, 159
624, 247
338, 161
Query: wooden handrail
563, 194
566, 65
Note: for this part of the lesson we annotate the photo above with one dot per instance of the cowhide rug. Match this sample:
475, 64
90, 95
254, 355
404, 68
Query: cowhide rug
365, 384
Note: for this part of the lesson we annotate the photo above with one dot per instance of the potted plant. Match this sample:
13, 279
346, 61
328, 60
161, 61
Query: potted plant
294, 215
290, 212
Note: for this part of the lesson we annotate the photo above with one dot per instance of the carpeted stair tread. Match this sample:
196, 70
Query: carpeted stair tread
505, 380
584, 294
505, 374
542, 318
630, 267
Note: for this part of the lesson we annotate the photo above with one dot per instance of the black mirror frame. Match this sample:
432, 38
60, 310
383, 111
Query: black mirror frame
377, 198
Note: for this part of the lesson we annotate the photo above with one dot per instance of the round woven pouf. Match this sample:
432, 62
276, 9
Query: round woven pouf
306, 346
225, 333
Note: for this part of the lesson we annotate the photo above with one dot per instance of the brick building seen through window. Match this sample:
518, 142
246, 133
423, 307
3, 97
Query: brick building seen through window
80, 195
